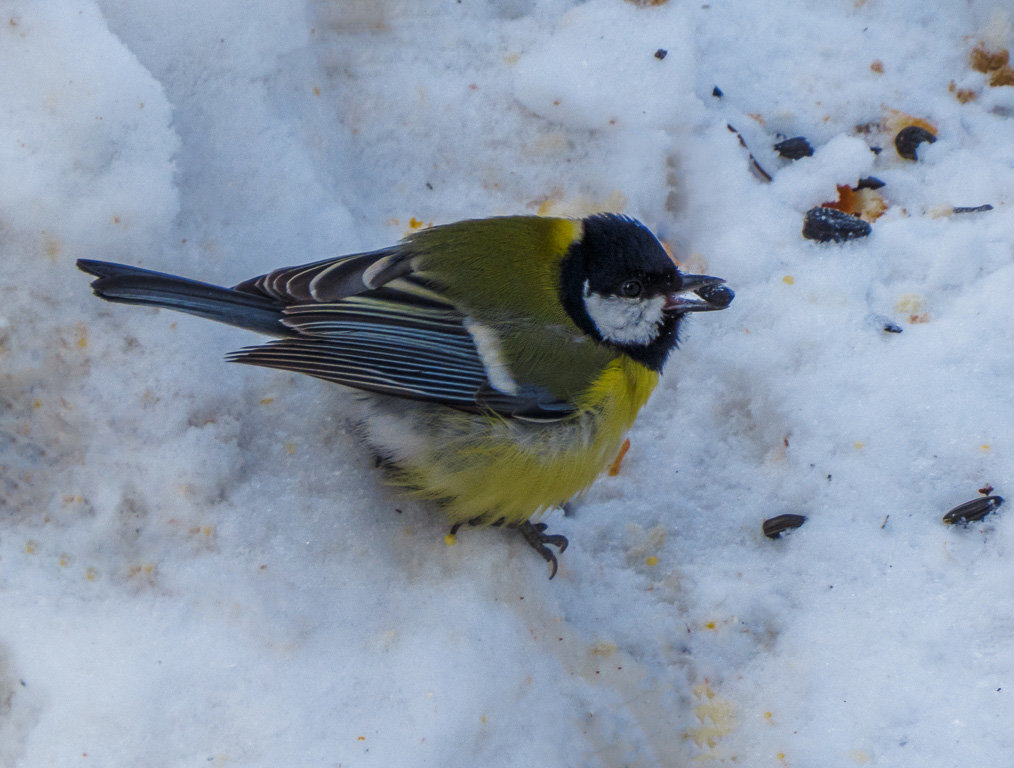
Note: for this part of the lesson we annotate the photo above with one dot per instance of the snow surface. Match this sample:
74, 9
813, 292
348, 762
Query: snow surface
198, 564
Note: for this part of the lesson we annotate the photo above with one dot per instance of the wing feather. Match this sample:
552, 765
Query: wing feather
331, 279
403, 339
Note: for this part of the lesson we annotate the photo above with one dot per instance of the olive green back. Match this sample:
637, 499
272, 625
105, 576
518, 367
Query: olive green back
505, 273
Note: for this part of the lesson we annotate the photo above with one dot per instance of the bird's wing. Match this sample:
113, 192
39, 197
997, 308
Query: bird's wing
401, 339
331, 279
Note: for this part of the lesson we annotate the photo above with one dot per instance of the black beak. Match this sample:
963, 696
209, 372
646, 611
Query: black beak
708, 294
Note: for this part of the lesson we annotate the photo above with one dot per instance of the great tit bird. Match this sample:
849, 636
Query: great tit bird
502, 360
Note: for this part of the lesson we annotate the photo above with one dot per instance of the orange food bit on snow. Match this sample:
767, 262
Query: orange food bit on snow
614, 468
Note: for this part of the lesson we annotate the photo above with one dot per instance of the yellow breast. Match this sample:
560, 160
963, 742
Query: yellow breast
492, 468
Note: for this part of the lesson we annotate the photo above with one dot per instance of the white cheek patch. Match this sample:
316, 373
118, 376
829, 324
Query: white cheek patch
488, 346
625, 321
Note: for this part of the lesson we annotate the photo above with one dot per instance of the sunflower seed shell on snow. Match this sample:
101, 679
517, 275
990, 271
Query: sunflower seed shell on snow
973, 511
909, 139
870, 182
773, 527
794, 148
827, 224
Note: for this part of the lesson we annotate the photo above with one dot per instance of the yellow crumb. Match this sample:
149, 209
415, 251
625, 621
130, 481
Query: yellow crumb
717, 718
867, 204
450, 539
789, 280
858, 446
554, 204
603, 649
651, 560
913, 305
895, 120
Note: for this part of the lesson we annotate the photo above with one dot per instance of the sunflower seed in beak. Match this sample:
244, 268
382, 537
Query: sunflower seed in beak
710, 294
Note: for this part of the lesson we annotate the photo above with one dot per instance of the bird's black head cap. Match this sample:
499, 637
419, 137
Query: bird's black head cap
616, 267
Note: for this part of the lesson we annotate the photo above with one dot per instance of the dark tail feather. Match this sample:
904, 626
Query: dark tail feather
132, 285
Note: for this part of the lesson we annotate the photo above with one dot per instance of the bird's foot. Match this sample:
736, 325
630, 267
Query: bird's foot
534, 533
537, 538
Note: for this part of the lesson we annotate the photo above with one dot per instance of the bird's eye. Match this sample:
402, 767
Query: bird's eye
630, 289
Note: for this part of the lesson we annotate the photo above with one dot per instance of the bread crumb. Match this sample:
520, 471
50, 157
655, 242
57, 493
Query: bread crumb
1002, 76
984, 60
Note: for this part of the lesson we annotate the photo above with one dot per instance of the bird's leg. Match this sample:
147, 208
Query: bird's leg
537, 538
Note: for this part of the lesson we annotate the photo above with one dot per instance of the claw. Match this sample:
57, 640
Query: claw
557, 540
537, 538
534, 533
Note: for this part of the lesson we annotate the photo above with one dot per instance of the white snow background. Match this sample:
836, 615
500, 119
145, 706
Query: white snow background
200, 566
